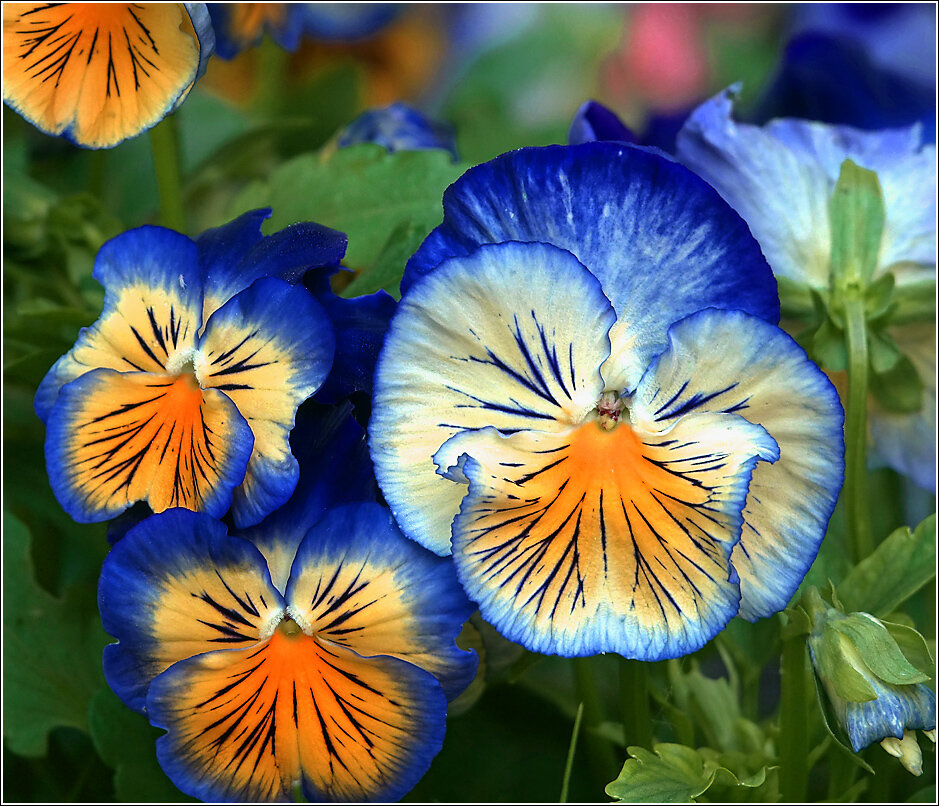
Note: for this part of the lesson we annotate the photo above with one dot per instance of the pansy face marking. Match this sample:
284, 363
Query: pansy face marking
99, 73
183, 393
336, 683
584, 448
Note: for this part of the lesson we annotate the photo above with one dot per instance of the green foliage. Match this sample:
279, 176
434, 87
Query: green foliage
52, 650
674, 773
899, 567
125, 741
362, 190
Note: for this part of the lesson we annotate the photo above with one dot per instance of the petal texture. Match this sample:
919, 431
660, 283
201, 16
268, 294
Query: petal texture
483, 341
115, 438
727, 361
100, 73
268, 349
177, 586
152, 310
638, 221
358, 582
780, 178
591, 540
251, 724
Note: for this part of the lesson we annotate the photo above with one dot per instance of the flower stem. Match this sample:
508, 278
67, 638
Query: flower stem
634, 698
566, 782
164, 141
600, 752
793, 720
855, 427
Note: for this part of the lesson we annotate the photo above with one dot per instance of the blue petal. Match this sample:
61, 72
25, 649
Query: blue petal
896, 709
657, 237
360, 324
780, 178
829, 78
358, 582
236, 30
593, 121
235, 255
268, 348
335, 469
175, 586
399, 127
727, 361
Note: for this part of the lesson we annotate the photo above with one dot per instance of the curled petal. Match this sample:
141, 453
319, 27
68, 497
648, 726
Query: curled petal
591, 540
99, 73
177, 586
727, 361
359, 583
250, 724
268, 349
483, 341
115, 438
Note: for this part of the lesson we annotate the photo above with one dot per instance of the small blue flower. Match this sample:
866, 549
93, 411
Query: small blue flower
399, 127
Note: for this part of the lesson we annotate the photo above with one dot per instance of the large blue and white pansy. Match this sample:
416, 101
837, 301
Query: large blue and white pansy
579, 386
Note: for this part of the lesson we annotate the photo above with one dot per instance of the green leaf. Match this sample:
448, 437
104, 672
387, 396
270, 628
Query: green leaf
362, 190
878, 297
857, 214
848, 683
674, 774
898, 388
795, 299
827, 347
899, 567
52, 650
878, 650
914, 302
913, 646
125, 740
385, 273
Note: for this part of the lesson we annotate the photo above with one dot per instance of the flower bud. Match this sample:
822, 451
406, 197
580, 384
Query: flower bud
875, 690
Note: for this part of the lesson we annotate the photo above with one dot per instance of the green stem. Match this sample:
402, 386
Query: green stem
793, 720
599, 750
855, 427
566, 781
634, 698
164, 141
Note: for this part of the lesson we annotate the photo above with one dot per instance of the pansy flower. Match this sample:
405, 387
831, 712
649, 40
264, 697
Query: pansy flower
320, 656
578, 386
98, 73
780, 178
183, 392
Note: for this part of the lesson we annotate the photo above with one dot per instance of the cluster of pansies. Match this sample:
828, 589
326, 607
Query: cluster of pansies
585, 421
